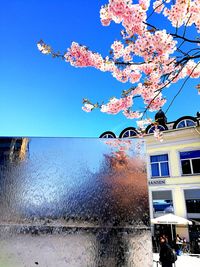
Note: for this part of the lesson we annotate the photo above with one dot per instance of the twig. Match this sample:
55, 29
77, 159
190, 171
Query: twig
181, 88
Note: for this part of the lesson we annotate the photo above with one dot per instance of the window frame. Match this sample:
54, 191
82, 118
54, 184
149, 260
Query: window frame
191, 198
160, 127
107, 135
191, 165
173, 203
129, 134
185, 123
159, 166
128, 130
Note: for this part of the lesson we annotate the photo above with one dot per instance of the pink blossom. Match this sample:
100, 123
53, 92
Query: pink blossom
158, 6
155, 104
80, 56
104, 15
144, 4
158, 134
146, 58
132, 114
143, 123
114, 106
118, 49
43, 48
87, 107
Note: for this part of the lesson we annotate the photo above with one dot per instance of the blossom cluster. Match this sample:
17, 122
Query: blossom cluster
87, 107
114, 106
158, 134
130, 15
43, 48
183, 12
155, 47
129, 114
81, 56
143, 123
147, 57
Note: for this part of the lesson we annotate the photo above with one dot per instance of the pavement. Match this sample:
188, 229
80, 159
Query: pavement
185, 260
75, 250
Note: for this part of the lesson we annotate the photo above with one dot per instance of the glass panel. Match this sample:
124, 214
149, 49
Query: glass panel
69, 201
152, 129
190, 123
126, 134
192, 193
161, 128
196, 165
155, 169
193, 205
164, 169
163, 205
159, 158
181, 124
165, 194
190, 154
132, 133
186, 168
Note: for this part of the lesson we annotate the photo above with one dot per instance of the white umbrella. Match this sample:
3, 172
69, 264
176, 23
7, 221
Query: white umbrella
171, 219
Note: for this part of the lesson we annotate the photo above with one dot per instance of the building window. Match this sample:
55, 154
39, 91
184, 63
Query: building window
192, 200
159, 165
193, 205
152, 129
128, 132
185, 123
162, 202
190, 162
107, 134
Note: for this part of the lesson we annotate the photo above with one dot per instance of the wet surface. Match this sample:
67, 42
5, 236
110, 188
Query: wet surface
73, 202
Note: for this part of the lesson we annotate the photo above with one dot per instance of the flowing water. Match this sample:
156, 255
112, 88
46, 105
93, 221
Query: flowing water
73, 202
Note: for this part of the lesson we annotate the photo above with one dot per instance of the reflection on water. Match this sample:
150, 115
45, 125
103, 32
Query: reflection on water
60, 194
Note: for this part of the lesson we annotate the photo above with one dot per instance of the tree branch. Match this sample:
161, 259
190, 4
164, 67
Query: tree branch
174, 34
187, 59
181, 88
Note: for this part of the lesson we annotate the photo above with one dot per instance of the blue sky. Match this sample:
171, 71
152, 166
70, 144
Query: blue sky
43, 97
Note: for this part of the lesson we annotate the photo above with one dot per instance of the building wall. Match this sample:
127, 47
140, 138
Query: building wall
175, 141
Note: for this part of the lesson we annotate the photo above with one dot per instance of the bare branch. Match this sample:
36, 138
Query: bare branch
179, 91
174, 34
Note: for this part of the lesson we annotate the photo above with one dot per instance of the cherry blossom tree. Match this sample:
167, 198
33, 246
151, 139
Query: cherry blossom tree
149, 57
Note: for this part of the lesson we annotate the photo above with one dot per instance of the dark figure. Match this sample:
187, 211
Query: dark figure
166, 253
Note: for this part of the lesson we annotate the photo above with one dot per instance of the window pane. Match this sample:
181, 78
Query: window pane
152, 129
132, 133
186, 168
190, 123
155, 169
159, 158
126, 134
193, 205
164, 169
163, 205
190, 154
196, 165
181, 124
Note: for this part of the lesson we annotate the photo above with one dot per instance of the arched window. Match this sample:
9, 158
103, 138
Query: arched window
151, 128
107, 134
183, 122
128, 132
